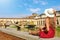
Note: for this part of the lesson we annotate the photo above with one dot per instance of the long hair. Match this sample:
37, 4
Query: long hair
51, 22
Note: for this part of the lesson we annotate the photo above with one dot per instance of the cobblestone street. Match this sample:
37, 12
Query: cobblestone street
4, 36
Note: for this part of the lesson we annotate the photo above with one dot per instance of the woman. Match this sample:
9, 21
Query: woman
49, 30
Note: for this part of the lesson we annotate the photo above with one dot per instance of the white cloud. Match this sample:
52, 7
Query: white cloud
42, 2
34, 10
36, 1
56, 7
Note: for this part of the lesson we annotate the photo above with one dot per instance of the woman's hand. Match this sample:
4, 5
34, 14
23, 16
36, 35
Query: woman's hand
54, 11
41, 28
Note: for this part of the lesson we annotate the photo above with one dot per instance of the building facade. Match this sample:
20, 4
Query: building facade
31, 20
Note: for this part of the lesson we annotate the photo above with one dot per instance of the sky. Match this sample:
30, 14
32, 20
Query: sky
22, 8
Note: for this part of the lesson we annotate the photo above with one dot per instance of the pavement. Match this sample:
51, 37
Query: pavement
4, 36
24, 35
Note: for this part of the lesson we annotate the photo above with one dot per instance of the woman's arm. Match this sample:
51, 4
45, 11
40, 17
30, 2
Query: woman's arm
55, 20
47, 24
55, 17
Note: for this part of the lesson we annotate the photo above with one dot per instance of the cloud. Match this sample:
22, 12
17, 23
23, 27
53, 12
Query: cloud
56, 7
42, 2
35, 1
34, 10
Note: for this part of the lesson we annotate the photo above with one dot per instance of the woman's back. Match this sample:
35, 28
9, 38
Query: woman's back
52, 23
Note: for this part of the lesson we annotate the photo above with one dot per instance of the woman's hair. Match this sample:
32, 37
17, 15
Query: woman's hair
51, 22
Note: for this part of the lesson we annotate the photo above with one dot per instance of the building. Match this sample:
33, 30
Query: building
38, 20
43, 16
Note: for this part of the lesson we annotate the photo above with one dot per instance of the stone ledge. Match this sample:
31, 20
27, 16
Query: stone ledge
24, 35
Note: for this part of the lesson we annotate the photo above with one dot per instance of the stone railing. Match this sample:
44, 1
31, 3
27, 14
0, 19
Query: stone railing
24, 35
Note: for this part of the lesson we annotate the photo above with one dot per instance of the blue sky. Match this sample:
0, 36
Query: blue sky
22, 8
